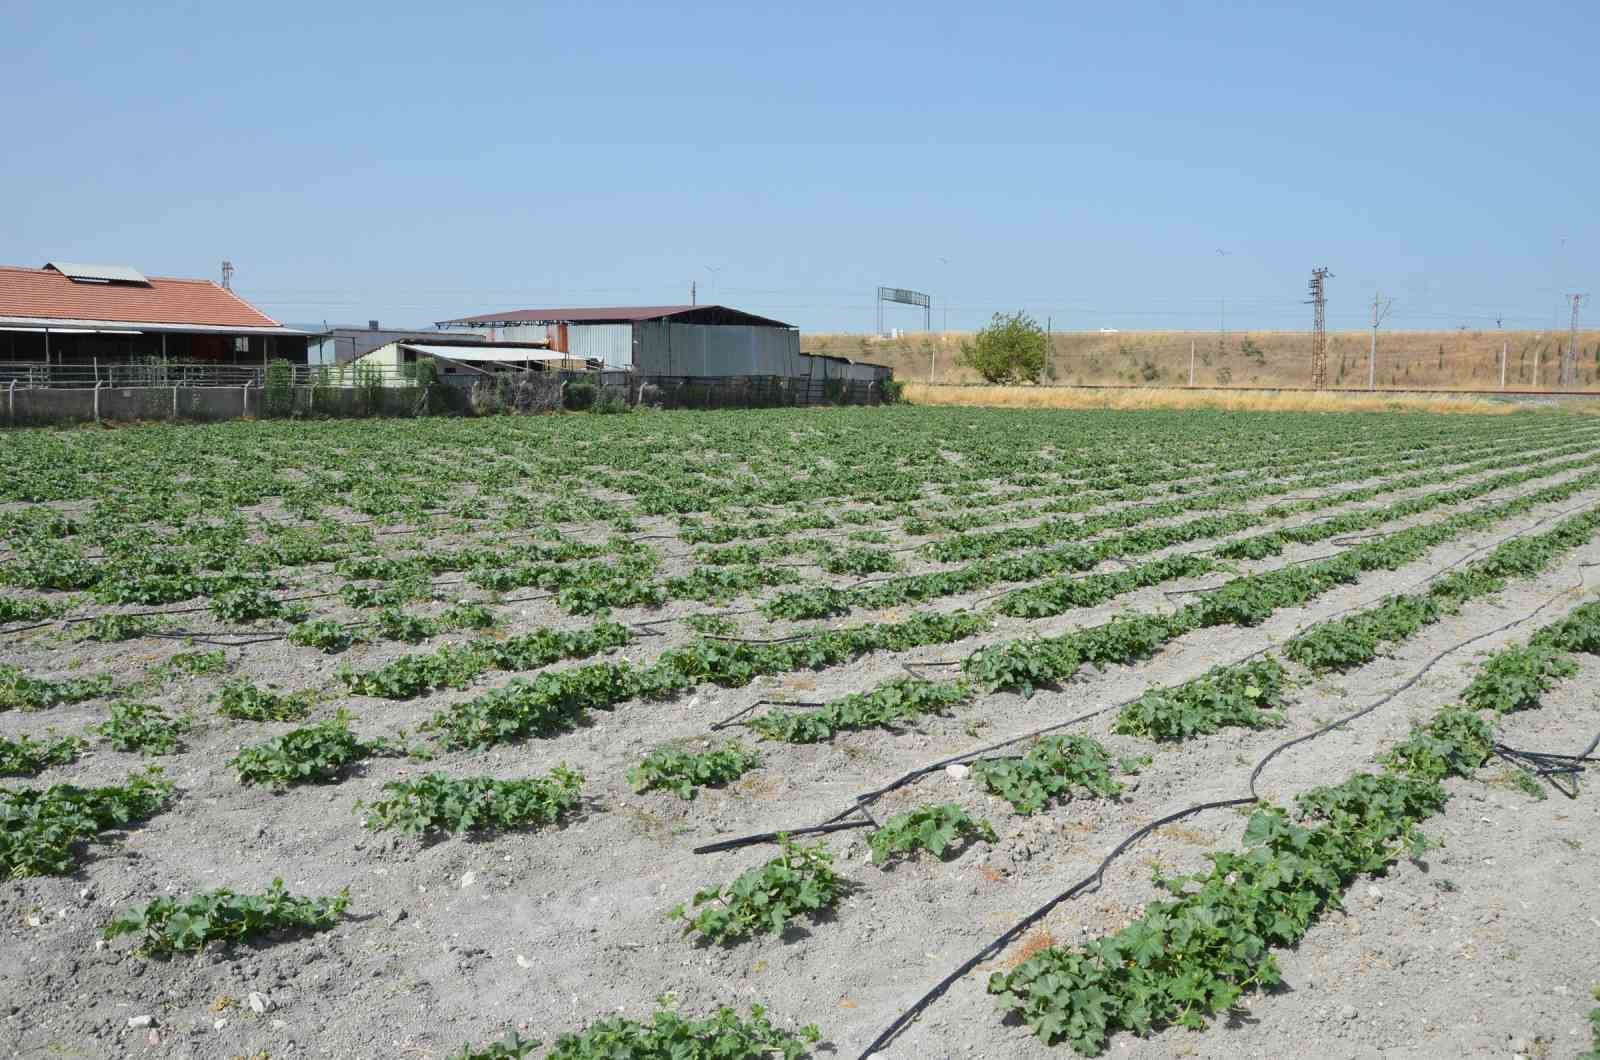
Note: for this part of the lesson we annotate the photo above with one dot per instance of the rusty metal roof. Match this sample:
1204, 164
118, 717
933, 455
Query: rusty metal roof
685, 314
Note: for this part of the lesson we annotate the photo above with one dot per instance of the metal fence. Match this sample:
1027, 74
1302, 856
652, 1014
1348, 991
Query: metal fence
33, 374
750, 391
36, 393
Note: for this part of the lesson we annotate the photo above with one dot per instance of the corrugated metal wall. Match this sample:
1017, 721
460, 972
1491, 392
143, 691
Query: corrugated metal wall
716, 350
611, 344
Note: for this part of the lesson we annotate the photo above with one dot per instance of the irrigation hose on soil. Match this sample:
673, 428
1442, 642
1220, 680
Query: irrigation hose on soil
1092, 882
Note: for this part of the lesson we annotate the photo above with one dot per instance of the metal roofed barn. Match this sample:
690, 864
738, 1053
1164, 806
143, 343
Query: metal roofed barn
461, 360
672, 340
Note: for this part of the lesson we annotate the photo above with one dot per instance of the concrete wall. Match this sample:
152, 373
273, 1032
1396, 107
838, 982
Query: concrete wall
41, 405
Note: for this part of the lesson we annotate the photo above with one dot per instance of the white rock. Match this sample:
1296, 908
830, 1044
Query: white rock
957, 771
1374, 893
523, 962
139, 1023
1348, 1012
34, 921
260, 1003
468, 879
218, 1024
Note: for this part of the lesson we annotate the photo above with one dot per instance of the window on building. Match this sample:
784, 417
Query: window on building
241, 344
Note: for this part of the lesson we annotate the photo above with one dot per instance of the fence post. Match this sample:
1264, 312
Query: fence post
11, 401
97, 396
174, 402
246, 412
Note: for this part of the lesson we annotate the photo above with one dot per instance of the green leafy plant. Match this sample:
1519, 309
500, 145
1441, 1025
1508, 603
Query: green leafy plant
18, 691
1247, 696
1515, 679
684, 772
314, 754
888, 706
170, 925
1055, 767
197, 663
437, 802
799, 881
117, 627
712, 625
245, 701
143, 727
931, 828
670, 1036
512, 1047
28, 757
324, 634
248, 604
42, 832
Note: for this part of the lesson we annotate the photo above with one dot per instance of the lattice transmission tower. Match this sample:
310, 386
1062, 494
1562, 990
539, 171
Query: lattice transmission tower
1319, 327
1569, 363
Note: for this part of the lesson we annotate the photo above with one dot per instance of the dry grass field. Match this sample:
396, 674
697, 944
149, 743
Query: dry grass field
1158, 397
1466, 360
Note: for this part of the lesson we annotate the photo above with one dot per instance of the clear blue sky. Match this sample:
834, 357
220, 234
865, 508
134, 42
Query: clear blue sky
414, 161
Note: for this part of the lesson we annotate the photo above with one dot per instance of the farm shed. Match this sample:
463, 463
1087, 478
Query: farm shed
344, 343
462, 361
829, 366
681, 340
74, 314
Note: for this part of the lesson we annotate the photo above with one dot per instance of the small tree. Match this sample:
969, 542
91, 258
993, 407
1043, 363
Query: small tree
1012, 349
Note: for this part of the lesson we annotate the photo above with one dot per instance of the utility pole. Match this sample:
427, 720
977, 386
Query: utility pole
693, 294
1319, 327
1569, 364
1191, 362
1380, 309
227, 276
1050, 347
1504, 346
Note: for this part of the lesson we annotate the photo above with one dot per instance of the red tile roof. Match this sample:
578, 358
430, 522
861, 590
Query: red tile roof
47, 293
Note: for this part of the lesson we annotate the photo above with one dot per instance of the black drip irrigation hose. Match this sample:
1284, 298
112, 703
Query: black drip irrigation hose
917, 774
1561, 771
1092, 882
733, 719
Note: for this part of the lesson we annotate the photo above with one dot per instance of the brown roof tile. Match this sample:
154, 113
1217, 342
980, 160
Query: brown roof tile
46, 293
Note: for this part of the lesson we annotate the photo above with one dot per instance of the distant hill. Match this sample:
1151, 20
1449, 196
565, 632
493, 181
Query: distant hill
1467, 360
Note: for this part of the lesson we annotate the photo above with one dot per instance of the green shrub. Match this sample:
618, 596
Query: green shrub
579, 396
1013, 348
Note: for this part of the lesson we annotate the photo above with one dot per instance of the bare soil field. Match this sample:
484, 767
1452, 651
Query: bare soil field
1160, 733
